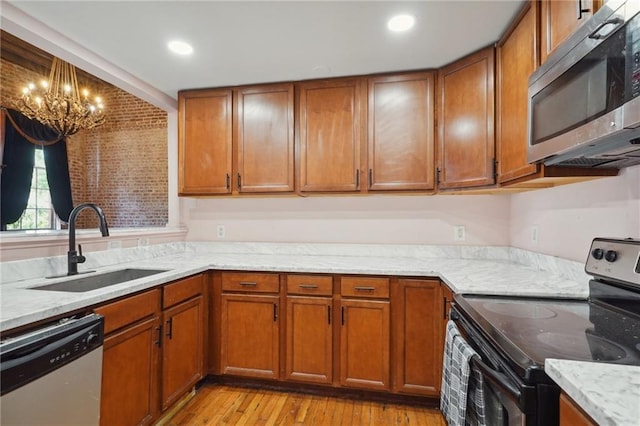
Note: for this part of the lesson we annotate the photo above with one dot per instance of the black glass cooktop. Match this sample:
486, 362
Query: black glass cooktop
528, 331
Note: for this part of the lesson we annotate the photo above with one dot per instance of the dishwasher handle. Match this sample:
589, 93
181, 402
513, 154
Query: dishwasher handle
31, 356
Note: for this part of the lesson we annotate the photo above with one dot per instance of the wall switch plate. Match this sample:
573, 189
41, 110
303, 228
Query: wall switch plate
534, 234
114, 244
459, 233
143, 242
220, 232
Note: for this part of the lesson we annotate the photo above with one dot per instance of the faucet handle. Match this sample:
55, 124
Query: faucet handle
80, 258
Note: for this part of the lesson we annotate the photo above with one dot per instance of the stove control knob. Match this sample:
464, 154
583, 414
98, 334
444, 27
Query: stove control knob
611, 256
597, 253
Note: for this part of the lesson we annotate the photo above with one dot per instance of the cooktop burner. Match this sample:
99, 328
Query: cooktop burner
529, 331
575, 347
519, 310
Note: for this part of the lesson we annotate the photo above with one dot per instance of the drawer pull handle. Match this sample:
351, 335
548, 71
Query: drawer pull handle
248, 283
308, 286
364, 288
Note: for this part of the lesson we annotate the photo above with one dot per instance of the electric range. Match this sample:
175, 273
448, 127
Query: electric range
514, 336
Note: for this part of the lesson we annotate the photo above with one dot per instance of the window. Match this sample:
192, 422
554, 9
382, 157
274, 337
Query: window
39, 213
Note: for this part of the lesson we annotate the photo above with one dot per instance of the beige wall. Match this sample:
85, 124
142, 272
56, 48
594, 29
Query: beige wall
569, 217
369, 219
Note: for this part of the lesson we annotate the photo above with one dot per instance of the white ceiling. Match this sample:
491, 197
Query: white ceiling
242, 42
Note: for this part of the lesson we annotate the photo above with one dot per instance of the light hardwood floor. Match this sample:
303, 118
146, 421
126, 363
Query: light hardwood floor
220, 404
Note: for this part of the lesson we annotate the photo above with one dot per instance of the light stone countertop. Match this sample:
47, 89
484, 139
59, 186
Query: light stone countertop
609, 393
466, 271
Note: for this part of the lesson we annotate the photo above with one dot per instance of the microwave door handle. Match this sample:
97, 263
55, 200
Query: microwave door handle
497, 378
613, 21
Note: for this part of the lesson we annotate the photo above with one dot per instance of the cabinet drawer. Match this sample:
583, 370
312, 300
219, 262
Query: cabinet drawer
310, 284
364, 287
250, 282
181, 290
127, 311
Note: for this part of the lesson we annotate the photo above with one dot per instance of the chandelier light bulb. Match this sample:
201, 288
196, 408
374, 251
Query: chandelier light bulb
58, 103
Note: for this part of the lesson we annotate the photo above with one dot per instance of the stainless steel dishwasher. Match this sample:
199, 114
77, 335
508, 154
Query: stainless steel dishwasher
52, 376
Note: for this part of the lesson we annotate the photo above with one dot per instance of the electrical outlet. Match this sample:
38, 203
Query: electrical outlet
114, 244
220, 232
534, 234
143, 242
459, 233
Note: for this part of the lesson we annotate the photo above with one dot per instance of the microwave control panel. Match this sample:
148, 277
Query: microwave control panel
633, 56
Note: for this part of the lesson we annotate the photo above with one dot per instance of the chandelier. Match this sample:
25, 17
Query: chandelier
58, 103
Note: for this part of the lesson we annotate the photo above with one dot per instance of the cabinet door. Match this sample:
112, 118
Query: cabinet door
465, 122
204, 142
265, 139
309, 339
559, 19
572, 415
516, 60
330, 135
130, 371
364, 344
418, 344
182, 354
400, 132
250, 335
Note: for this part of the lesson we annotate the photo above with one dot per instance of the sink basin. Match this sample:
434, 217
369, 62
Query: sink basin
94, 282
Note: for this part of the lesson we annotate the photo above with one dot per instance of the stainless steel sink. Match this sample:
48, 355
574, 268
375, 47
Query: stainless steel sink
94, 282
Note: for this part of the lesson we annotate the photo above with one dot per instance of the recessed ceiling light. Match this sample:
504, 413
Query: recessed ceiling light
401, 23
180, 47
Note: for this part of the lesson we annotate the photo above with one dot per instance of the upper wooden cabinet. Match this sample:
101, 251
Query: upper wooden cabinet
400, 134
516, 60
329, 122
560, 18
264, 139
204, 142
466, 140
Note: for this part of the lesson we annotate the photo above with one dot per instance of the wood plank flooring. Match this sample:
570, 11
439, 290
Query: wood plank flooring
216, 404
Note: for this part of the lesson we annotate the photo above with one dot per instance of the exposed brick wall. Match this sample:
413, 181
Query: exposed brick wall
122, 165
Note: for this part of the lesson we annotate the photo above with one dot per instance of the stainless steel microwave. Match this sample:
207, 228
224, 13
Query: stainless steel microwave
584, 101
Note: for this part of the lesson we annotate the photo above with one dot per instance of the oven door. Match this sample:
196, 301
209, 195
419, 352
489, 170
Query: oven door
508, 400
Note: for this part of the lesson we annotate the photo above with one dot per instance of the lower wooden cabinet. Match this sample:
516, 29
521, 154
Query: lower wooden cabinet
130, 364
418, 311
361, 332
130, 375
151, 357
364, 344
309, 339
571, 414
182, 355
250, 335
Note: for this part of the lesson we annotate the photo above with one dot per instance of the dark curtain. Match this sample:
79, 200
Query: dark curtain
21, 137
16, 175
55, 158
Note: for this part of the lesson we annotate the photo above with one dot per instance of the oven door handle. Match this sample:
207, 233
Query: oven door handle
499, 379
